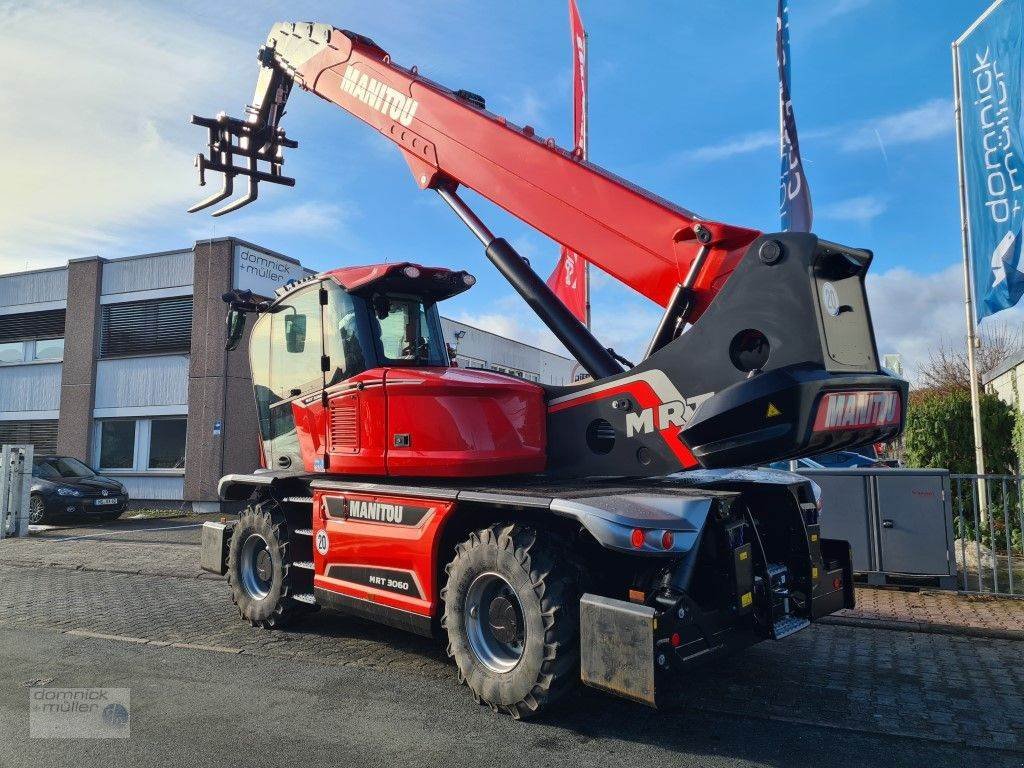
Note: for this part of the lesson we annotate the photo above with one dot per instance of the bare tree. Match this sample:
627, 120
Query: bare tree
947, 367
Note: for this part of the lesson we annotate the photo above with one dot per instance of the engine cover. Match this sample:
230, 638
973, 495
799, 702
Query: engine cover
455, 422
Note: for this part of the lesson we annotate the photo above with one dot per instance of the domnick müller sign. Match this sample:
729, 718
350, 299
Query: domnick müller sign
262, 273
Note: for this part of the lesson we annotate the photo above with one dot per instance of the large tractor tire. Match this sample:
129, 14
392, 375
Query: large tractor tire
260, 568
511, 611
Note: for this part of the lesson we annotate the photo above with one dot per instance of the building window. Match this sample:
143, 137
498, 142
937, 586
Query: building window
167, 444
48, 349
29, 336
12, 352
15, 352
117, 445
467, 361
528, 375
146, 327
42, 435
140, 445
32, 325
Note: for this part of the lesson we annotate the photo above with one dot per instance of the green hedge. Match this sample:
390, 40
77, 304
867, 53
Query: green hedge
939, 433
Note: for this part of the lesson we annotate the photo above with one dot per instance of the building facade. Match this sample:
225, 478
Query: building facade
477, 348
121, 363
1007, 381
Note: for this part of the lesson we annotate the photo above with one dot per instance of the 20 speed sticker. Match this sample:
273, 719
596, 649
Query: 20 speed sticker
322, 544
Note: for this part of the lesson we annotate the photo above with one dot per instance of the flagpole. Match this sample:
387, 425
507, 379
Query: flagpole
586, 142
972, 339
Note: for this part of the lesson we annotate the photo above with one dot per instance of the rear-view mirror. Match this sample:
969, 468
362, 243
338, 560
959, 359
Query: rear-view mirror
236, 328
295, 333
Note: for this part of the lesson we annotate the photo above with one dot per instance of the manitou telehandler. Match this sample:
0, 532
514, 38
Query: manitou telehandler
546, 534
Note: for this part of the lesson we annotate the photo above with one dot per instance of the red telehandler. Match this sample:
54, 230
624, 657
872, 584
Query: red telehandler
547, 534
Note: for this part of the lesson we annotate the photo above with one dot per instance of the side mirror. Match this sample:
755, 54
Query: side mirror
295, 333
236, 328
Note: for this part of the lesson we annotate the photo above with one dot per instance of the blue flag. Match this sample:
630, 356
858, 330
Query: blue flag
990, 71
794, 194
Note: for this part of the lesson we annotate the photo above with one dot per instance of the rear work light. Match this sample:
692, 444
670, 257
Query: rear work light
840, 411
411, 272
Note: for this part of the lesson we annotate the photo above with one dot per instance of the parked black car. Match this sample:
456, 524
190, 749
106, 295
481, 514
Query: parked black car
63, 487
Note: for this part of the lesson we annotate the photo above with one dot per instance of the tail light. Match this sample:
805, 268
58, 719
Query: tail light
840, 411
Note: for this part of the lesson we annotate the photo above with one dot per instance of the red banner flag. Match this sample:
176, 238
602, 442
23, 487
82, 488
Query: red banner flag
570, 281
579, 77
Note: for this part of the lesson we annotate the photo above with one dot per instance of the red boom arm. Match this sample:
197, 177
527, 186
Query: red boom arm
643, 240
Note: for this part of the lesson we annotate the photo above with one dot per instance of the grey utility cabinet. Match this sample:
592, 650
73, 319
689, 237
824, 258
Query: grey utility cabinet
898, 521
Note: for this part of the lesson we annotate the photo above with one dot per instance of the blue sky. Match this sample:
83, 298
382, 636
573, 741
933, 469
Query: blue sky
683, 101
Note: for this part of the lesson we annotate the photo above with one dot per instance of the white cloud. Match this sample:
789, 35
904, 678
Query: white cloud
841, 7
738, 145
529, 108
96, 132
860, 209
621, 319
624, 321
832, 10
928, 121
913, 313
520, 326
310, 218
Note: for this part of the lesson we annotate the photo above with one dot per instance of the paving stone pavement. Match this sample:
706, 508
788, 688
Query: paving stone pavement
905, 684
169, 547
166, 547
946, 609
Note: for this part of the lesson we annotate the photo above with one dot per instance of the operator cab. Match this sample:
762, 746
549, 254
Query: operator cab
351, 375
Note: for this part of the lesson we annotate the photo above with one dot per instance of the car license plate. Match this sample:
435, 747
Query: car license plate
105, 502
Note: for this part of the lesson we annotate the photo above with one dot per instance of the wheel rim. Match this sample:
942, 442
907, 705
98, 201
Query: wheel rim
494, 622
35, 510
256, 567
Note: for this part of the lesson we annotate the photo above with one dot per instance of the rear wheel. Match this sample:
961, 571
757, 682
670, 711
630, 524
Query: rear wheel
36, 510
260, 568
511, 610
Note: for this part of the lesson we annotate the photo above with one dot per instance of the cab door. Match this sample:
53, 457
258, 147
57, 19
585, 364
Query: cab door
356, 415
286, 358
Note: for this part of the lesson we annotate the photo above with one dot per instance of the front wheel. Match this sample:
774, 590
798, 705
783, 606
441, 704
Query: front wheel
36, 510
511, 610
260, 568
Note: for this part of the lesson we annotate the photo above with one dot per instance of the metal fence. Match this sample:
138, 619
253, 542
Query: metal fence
988, 525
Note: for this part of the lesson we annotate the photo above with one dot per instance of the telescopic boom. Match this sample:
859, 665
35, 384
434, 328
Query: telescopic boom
449, 138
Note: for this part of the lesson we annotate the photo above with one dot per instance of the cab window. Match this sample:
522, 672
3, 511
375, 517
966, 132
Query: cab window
345, 334
408, 332
296, 345
259, 364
